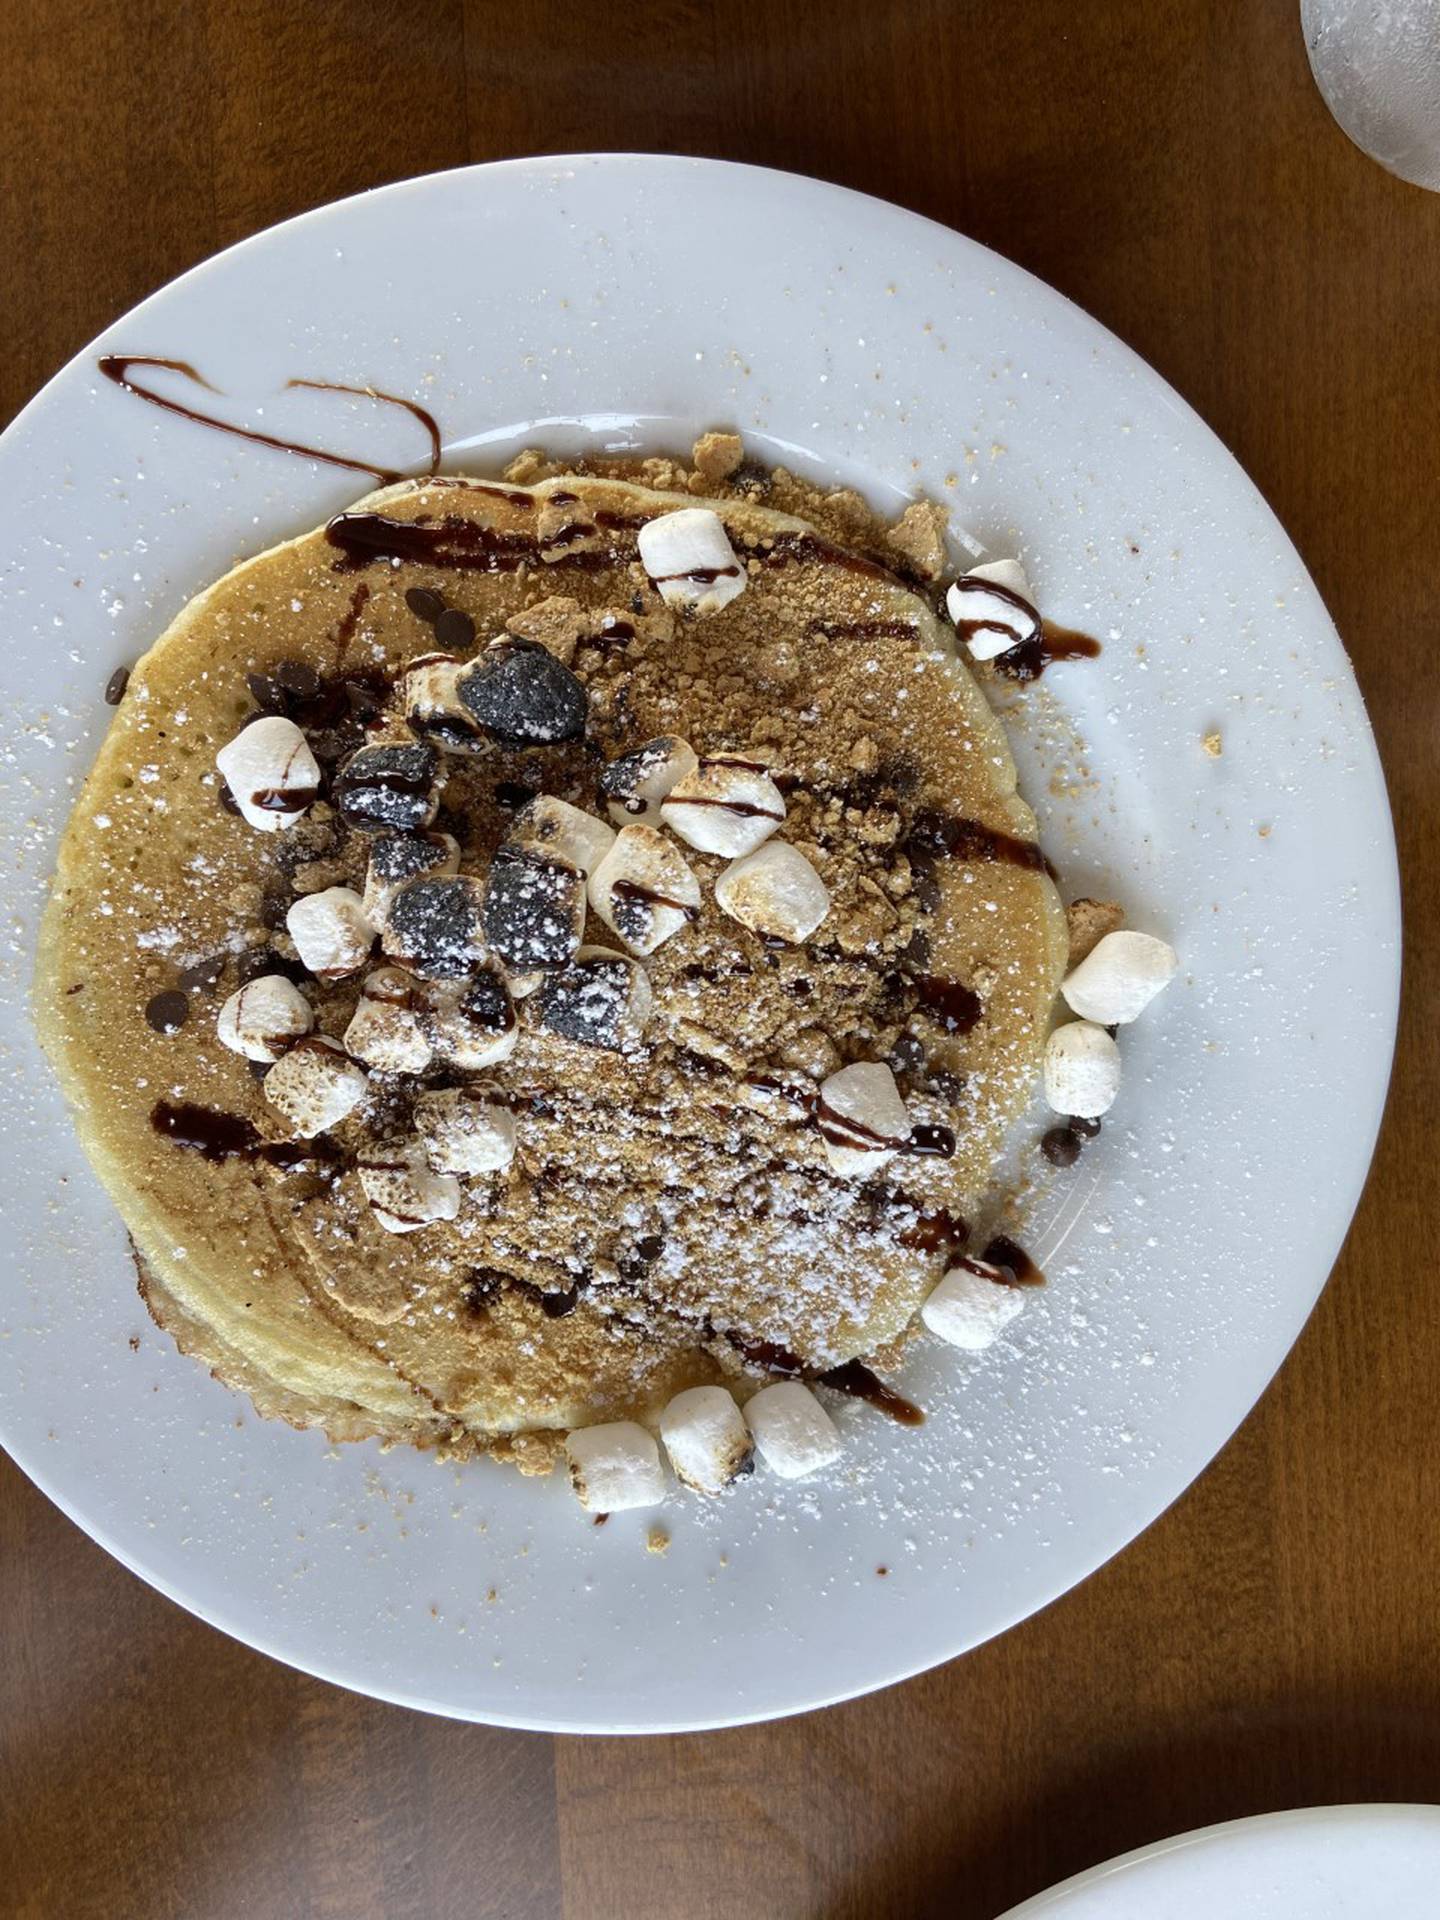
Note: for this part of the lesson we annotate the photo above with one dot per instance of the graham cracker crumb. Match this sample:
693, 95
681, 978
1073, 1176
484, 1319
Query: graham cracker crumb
1089, 921
1212, 744
657, 1540
717, 455
919, 534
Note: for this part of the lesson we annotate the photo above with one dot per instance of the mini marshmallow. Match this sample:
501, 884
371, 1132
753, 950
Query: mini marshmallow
862, 1119
404, 1193
1082, 1070
551, 826
602, 999
396, 858
464, 1132
706, 1438
775, 892
263, 1017
794, 1433
385, 1030
993, 608
972, 1306
690, 560
472, 1025
1120, 977
434, 710
390, 784
271, 773
436, 926
614, 1466
727, 806
315, 1085
643, 889
534, 909
636, 783
330, 931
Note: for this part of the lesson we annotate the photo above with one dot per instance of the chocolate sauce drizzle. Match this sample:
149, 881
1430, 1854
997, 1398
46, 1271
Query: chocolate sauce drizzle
116, 367
218, 1136
928, 1138
1029, 660
853, 1377
954, 837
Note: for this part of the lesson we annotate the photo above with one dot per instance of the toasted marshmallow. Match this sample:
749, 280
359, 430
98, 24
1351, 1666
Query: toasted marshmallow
706, 1438
403, 1191
385, 1030
435, 926
636, 783
271, 773
1082, 1070
862, 1119
389, 785
775, 892
689, 558
614, 1466
601, 999
794, 1433
534, 909
434, 710
263, 1017
993, 608
643, 889
972, 1306
472, 1025
396, 858
331, 933
464, 1132
551, 826
727, 806
315, 1084
1120, 978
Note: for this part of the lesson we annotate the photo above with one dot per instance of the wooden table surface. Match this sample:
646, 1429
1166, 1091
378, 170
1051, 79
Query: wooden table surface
1271, 1641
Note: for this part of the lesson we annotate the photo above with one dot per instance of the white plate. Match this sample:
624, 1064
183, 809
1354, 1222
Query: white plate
1318, 1863
626, 301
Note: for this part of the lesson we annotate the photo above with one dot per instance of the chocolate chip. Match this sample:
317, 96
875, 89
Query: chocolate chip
1061, 1146
167, 1012
228, 800
298, 679
204, 973
908, 1054
425, 603
115, 686
1087, 1129
454, 630
522, 696
434, 927
944, 1084
387, 787
265, 692
511, 795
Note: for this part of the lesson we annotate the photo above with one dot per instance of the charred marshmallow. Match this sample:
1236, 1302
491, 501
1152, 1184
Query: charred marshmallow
435, 927
472, 1025
1082, 1070
314, 1085
403, 1191
614, 1467
271, 773
521, 696
434, 710
862, 1119
635, 784
554, 827
706, 1438
398, 857
972, 1306
331, 932
534, 909
727, 806
389, 786
794, 1433
993, 608
1120, 977
643, 889
690, 560
386, 1030
263, 1017
775, 892
464, 1132
602, 999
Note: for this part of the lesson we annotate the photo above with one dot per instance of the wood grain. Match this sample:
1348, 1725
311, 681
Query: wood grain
1271, 1640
